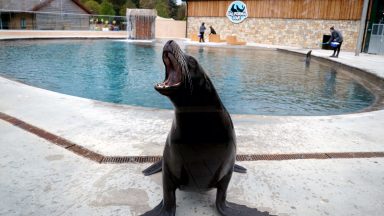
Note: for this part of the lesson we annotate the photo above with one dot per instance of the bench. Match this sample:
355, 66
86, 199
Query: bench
215, 38
232, 40
195, 37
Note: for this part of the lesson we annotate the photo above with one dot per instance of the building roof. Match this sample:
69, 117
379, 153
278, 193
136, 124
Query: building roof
33, 5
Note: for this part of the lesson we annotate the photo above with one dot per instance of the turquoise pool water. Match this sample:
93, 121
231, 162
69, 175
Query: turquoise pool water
249, 81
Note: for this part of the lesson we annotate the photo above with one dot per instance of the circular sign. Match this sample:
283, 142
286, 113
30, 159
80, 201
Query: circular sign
237, 12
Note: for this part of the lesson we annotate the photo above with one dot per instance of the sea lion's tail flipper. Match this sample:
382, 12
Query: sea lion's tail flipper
240, 169
154, 168
157, 167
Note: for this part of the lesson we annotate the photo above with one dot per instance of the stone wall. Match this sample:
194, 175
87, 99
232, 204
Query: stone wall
305, 33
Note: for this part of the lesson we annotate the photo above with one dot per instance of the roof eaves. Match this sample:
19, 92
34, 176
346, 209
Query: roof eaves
78, 3
41, 5
47, 2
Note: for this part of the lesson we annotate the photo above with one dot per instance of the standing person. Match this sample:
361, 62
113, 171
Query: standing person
202, 30
337, 39
212, 30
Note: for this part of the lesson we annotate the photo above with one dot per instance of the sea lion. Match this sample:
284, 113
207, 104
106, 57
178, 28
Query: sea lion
200, 149
308, 58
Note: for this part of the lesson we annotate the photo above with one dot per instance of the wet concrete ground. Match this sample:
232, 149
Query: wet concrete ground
38, 178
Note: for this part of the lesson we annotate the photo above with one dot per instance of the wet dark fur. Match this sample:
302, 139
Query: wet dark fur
200, 150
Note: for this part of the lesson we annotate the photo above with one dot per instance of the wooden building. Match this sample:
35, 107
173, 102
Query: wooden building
301, 23
44, 15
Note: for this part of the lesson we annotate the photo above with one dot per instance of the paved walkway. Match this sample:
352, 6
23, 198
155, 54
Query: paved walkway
39, 178
46, 34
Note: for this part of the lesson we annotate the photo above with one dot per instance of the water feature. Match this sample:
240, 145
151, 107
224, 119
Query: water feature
250, 81
141, 24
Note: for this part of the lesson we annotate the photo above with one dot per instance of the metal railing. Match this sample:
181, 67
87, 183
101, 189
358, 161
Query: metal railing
30, 20
376, 41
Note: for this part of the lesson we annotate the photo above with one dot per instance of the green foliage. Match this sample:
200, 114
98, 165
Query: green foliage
93, 6
181, 12
161, 7
107, 8
164, 8
172, 9
128, 4
147, 4
117, 5
137, 3
85, 1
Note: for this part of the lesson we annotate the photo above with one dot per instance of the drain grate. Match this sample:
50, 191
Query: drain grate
53, 138
91, 155
338, 155
131, 159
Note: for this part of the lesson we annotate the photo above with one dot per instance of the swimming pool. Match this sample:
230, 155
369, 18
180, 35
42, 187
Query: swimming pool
249, 81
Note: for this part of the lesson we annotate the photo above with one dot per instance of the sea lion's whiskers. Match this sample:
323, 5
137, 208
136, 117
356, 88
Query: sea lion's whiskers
185, 71
181, 59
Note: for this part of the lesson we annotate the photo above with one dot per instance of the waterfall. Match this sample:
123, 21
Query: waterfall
141, 24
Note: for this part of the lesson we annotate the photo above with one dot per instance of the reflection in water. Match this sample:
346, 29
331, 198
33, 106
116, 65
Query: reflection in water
330, 84
359, 94
115, 73
255, 81
201, 51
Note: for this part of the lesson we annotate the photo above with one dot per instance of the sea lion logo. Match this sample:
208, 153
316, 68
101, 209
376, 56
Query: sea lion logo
237, 12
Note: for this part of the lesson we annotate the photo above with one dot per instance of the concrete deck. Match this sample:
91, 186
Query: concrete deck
39, 178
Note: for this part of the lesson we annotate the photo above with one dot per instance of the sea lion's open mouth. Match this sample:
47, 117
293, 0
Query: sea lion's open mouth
173, 74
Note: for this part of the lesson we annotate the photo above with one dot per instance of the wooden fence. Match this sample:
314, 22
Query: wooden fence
287, 9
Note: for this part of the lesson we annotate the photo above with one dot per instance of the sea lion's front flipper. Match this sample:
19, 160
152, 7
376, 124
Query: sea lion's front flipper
230, 209
159, 210
167, 206
157, 167
239, 169
154, 168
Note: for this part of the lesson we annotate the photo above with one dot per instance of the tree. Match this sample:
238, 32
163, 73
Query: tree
117, 4
181, 12
128, 4
85, 1
93, 6
172, 9
147, 4
107, 8
162, 8
137, 3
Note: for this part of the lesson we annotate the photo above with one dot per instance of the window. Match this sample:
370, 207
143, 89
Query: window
23, 23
